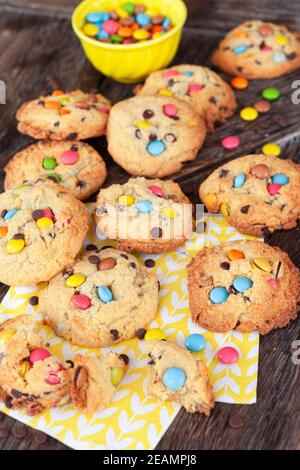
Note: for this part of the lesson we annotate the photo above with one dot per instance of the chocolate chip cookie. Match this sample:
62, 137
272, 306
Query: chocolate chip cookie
154, 136
76, 165
247, 285
73, 115
257, 193
256, 49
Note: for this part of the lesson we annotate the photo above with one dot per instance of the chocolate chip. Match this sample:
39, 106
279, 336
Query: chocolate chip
56, 124
34, 300
93, 259
266, 231
156, 232
174, 117
124, 358
140, 333
8, 402
105, 247
138, 134
74, 148
41, 102
40, 438
148, 114
225, 265
70, 362
124, 256
80, 184
91, 247
236, 422
232, 290
132, 265
52, 178
3, 213
19, 431
291, 56
115, 334
149, 263
212, 100
15, 393
223, 173
245, 209
72, 136
170, 138
19, 236
76, 375
152, 362
4, 433
171, 82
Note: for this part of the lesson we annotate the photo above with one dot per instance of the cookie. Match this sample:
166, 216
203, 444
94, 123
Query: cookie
255, 49
70, 116
151, 216
257, 193
76, 165
247, 285
199, 86
176, 375
42, 228
154, 136
104, 299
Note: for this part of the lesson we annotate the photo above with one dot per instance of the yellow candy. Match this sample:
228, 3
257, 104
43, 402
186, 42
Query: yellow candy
140, 34
192, 123
157, 35
143, 124
121, 12
152, 11
24, 368
271, 149
15, 246
249, 114
166, 92
90, 29
281, 39
75, 280
212, 202
169, 212
225, 209
262, 264
155, 334
117, 374
6, 335
126, 200
44, 222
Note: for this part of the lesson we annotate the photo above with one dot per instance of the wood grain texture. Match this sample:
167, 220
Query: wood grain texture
38, 53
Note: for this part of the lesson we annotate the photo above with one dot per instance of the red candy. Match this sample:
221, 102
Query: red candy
103, 110
81, 301
170, 110
69, 157
266, 49
49, 214
273, 188
195, 87
171, 73
53, 379
228, 355
38, 354
156, 190
230, 142
110, 26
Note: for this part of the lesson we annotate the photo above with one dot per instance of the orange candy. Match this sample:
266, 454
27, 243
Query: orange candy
157, 28
52, 105
240, 83
241, 34
3, 231
134, 27
64, 111
57, 93
235, 254
125, 32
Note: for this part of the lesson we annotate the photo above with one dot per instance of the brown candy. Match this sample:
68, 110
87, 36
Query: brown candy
107, 263
262, 106
261, 171
265, 30
82, 105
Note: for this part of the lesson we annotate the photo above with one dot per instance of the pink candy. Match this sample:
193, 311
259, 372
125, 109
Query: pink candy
110, 26
156, 190
230, 142
195, 87
170, 110
171, 73
273, 283
273, 188
49, 214
81, 301
38, 354
69, 157
53, 379
104, 110
266, 49
228, 355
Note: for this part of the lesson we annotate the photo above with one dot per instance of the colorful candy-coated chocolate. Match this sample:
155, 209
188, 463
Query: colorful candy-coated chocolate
239, 180
107, 264
261, 171
174, 378
228, 355
53, 379
280, 178
188, 73
38, 354
3, 231
110, 26
279, 57
96, 17
169, 212
235, 254
225, 209
241, 284
126, 200
10, 214
143, 124
195, 87
49, 163
212, 201
239, 83
262, 106
69, 157
116, 375
218, 295
154, 334
143, 19
156, 190
240, 49
230, 142
15, 246
49, 214
166, 92
44, 222
273, 188
262, 264
156, 147
170, 110
271, 149
75, 280
24, 368
273, 283
195, 342
129, 7
90, 29
271, 93
141, 34
171, 73
102, 35
144, 206
104, 294
249, 114
81, 301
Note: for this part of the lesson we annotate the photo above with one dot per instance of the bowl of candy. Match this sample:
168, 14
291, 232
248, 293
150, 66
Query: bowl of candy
127, 40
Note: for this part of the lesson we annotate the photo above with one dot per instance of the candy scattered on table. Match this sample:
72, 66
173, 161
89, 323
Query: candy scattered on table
248, 114
262, 106
195, 342
174, 378
128, 24
271, 149
239, 83
154, 334
271, 93
117, 374
230, 142
228, 355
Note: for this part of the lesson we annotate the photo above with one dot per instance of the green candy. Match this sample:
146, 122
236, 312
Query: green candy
49, 163
116, 38
271, 94
129, 7
54, 177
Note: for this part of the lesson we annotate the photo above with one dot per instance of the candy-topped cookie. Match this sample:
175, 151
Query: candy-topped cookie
257, 193
105, 298
42, 228
255, 49
176, 375
73, 115
213, 98
154, 136
247, 285
152, 216
75, 165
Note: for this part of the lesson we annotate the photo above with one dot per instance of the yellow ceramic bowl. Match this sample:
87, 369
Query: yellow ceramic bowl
131, 62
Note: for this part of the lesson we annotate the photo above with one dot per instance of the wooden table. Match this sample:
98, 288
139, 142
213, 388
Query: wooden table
38, 52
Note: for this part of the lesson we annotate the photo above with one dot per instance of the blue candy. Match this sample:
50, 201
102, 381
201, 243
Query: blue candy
239, 180
142, 19
279, 57
95, 17
240, 49
10, 214
166, 23
102, 35
144, 206
195, 342
104, 294
188, 73
174, 378
280, 178
241, 284
218, 295
156, 147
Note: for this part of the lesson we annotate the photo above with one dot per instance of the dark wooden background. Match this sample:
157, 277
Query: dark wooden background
40, 52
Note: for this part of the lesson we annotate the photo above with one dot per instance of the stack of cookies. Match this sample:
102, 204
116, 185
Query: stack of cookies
99, 297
